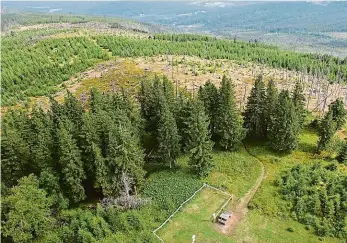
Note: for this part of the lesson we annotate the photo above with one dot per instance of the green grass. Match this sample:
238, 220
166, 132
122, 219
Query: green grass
196, 218
269, 220
234, 172
258, 227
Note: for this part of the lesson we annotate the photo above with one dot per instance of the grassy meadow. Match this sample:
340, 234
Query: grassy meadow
269, 220
196, 219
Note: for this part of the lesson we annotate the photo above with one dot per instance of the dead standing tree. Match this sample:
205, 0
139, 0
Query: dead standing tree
128, 198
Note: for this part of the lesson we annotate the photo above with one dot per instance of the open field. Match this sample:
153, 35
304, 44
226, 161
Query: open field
196, 218
190, 73
269, 219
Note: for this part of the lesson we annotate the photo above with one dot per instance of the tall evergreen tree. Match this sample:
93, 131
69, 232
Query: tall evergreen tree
15, 154
15, 149
184, 117
127, 103
299, 102
327, 129
149, 97
254, 115
71, 165
93, 161
270, 102
168, 138
229, 129
73, 110
124, 157
339, 113
284, 128
208, 94
169, 93
96, 101
200, 143
41, 142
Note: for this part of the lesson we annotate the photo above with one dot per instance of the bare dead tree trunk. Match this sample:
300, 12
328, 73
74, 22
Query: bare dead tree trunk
126, 184
326, 97
244, 97
172, 68
309, 96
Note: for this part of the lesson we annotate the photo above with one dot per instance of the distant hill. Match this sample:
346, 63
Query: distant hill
303, 26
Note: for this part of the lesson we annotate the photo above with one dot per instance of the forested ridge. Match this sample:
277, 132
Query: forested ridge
213, 48
32, 70
53, 162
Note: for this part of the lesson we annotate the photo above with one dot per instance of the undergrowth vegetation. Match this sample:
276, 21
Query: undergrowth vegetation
318, 197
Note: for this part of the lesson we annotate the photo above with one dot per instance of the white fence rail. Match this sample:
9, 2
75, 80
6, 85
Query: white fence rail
190, 198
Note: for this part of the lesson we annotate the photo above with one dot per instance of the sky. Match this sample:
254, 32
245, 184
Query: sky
181, 0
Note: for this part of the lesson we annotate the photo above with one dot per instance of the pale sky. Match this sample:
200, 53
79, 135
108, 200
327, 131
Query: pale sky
178, 0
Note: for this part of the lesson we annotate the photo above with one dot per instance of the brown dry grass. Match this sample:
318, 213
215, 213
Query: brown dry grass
190, 73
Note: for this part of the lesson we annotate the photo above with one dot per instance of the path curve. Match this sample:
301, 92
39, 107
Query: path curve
240, 210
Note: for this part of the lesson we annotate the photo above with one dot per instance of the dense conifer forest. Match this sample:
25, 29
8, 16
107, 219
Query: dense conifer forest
53, 161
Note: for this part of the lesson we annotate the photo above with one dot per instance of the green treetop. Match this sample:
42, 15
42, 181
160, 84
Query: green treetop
284, 127
254, 115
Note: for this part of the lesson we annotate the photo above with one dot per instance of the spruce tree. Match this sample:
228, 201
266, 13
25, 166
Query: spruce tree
149, 97
124, 158
342, 157
254, 115
128, 104
270, 102
96, 101
168, 138
71, 165
327, 129
73, 110
200, 143
15, 149
184, 117
339, 113
284, 128
299, 102
15, 154
93, 162
169, 93
228, 126
41, 142
208, 94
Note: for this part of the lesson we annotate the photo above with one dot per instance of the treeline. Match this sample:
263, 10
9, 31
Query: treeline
72, 153
333, 68
33, 70
332, 121
11, 19
69, 154
318, 198
279, 117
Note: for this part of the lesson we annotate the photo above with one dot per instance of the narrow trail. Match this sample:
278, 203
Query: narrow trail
240, 210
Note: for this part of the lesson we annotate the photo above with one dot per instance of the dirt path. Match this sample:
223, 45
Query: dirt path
240, 210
